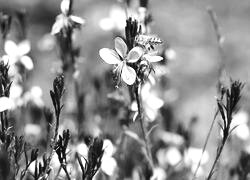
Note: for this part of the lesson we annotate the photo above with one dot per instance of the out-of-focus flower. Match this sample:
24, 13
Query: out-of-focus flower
159, 174
120, 58
151, 102
170, 138
46, 43
116, 19
240, 121
169, 156
32, 130
17, 53
34, 95
109, 163
15, 91
5, 104
170, 54
192, 157
82, 149
66, 19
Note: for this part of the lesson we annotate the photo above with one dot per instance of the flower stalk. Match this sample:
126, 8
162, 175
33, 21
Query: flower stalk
143, 126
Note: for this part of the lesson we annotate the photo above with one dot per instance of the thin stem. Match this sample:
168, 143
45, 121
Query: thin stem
58, 172
23, 173
66, 171
205, 144
219, 151
143, 126
219, 40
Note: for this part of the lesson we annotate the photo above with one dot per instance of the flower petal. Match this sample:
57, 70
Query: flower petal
27, 62
108, 165
77, 20
154, 102
10, 48
121, 47
57, 26
109, 56
15, 91
65, 6
128, 75
23, 47
151, 113
134, 54
134, 106
153, 58
135, 117
5, 104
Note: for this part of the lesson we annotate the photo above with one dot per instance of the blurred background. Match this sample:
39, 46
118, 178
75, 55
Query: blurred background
185, 25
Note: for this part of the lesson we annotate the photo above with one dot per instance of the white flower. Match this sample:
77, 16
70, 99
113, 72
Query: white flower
108, 147
239, 126
34, 95
109, 163
18, 53
151, 102
170, 54
15, 91
171, 156
192, 157
82, 149
152, 57
159, 174
116, 19
65, 20
120, 57
5, 103
46, 43
240, 120
32, 130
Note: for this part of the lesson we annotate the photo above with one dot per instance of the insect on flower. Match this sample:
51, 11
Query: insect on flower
121, 58
147, 41
66, 20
